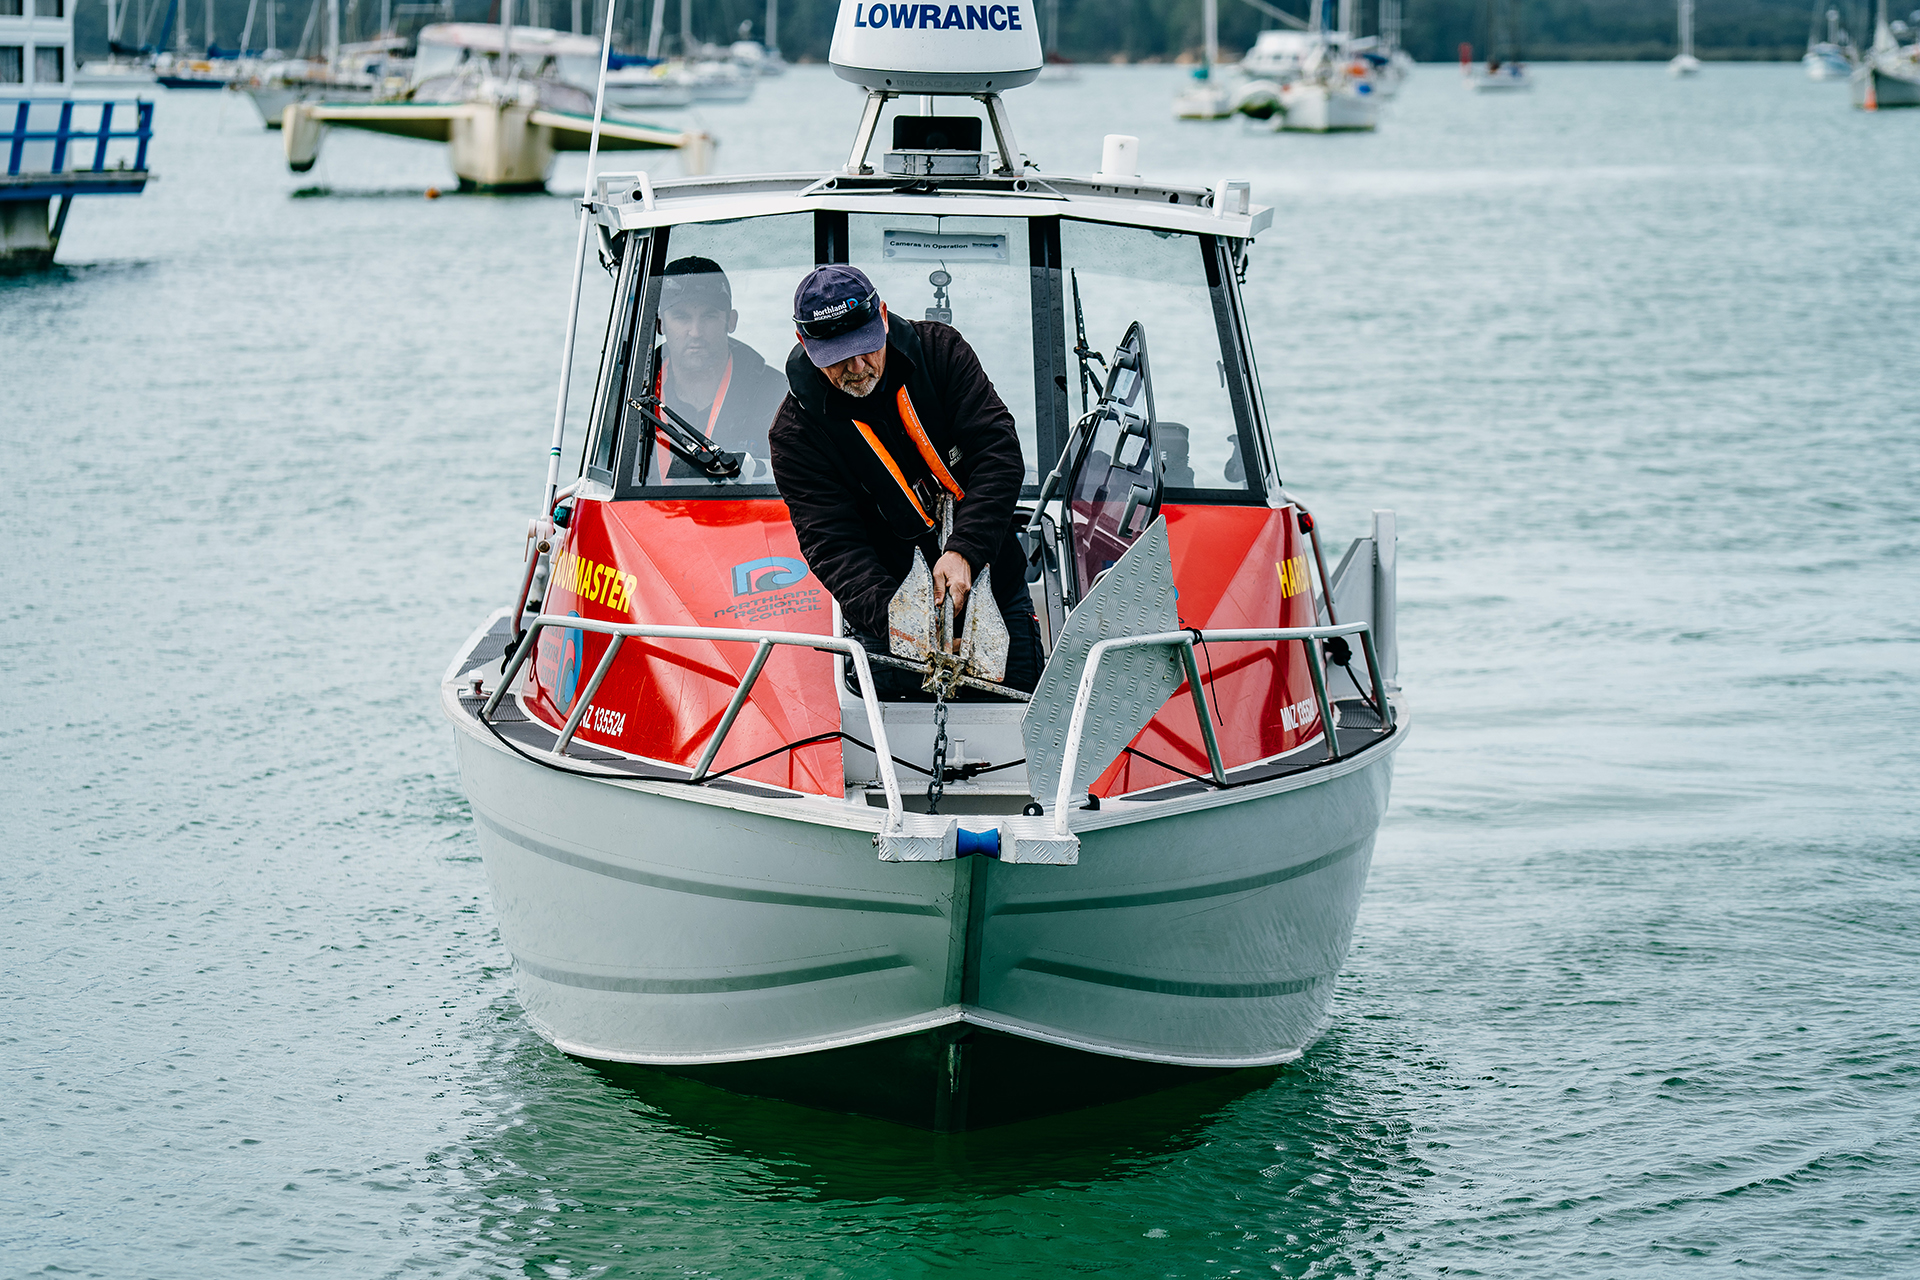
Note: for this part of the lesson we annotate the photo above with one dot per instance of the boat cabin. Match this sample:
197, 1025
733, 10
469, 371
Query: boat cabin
1106, 310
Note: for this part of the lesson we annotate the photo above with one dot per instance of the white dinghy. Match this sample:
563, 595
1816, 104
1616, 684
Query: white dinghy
693, 806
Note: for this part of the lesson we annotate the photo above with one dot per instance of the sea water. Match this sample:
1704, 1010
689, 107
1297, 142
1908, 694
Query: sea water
1633, 983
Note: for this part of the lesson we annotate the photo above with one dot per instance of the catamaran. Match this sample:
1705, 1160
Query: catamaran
704, 851
505, 99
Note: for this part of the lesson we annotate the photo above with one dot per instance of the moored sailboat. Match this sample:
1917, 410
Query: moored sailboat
1830, 58
1684, 63
1888, 74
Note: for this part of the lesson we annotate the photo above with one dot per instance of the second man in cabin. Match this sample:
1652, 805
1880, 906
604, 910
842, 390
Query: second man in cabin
717, 383
885, 419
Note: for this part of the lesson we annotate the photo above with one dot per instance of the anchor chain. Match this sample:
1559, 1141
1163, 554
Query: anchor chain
937, 788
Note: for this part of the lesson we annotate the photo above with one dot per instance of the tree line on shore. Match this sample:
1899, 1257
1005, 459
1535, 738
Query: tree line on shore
1107, 30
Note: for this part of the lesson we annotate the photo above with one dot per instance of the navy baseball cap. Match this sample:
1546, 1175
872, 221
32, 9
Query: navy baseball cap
837, 311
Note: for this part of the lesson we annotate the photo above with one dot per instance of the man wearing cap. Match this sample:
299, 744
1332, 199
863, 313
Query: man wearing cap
717, 383
886, 419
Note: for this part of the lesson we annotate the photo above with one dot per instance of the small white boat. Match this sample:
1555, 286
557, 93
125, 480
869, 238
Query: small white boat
1830, 58
642, 84
1497, 77
686, 789
1210, 94
1825, 61
1208, 98
1333, 104
1684, 63
1505, 70
715, 80
124, 66
106, 73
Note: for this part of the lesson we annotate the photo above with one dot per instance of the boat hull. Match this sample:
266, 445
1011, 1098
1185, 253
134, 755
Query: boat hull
1312, 108
703, 932
1876, 89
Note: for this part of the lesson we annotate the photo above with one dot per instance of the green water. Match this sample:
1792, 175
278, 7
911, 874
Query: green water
1631, 989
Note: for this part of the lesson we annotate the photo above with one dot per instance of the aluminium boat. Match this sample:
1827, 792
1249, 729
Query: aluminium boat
714, 850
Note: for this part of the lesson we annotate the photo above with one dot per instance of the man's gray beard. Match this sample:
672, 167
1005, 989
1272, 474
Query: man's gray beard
873, 385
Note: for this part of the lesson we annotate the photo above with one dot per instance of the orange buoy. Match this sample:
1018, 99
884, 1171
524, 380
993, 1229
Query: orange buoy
433, 193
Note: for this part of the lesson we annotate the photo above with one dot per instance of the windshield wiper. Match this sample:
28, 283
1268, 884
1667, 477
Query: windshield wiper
686, 443
1080, 347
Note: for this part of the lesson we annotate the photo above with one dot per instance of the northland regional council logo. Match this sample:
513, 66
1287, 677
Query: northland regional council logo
769, 573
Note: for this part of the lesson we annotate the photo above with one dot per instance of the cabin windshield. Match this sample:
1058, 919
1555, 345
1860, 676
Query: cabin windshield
971, 273
1124, 274
703, 322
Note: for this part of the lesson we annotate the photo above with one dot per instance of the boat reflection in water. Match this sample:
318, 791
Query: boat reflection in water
687, 793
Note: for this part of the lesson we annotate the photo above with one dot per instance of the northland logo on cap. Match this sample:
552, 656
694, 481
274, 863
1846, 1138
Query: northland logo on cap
837, 310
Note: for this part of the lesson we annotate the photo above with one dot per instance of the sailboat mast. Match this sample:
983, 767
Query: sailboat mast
209, 28
506, 35
1211, 17
773, 26
333, 35
273, 46
1686, 28
658, 30
686, 28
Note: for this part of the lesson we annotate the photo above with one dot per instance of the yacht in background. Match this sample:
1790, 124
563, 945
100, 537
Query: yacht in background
1210, 96
122, 67
636, 83
1684, 63
1057, 70
1831, 58
1506, 67
1889, 74
1333, 94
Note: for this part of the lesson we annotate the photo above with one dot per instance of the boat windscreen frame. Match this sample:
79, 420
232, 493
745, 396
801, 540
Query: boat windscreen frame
596, 450
610, 456
1243, 382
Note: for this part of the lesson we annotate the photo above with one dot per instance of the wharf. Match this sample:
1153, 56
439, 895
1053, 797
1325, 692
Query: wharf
58, 148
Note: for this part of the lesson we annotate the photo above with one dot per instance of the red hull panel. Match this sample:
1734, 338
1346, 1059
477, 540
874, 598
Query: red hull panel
1235, 567
705, 563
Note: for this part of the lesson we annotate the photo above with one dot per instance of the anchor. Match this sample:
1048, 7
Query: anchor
921, 635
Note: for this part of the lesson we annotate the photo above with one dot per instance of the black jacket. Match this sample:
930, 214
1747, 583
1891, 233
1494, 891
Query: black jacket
857, 529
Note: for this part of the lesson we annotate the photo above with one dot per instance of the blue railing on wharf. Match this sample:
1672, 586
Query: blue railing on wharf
48, 157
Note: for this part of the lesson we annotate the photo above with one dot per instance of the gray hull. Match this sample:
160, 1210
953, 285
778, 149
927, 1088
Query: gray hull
1902, 90
680, 927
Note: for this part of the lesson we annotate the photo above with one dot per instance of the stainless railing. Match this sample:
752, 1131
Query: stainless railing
1310, 637
764, 642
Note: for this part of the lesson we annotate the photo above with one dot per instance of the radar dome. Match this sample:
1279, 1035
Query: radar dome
937, 48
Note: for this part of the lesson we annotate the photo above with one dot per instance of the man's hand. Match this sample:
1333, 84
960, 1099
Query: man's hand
951, 572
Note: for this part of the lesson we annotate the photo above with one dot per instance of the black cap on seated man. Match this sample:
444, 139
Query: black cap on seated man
716, 382
884, 418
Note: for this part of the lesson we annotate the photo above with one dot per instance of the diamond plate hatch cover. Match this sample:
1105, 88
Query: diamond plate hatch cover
1135, 597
